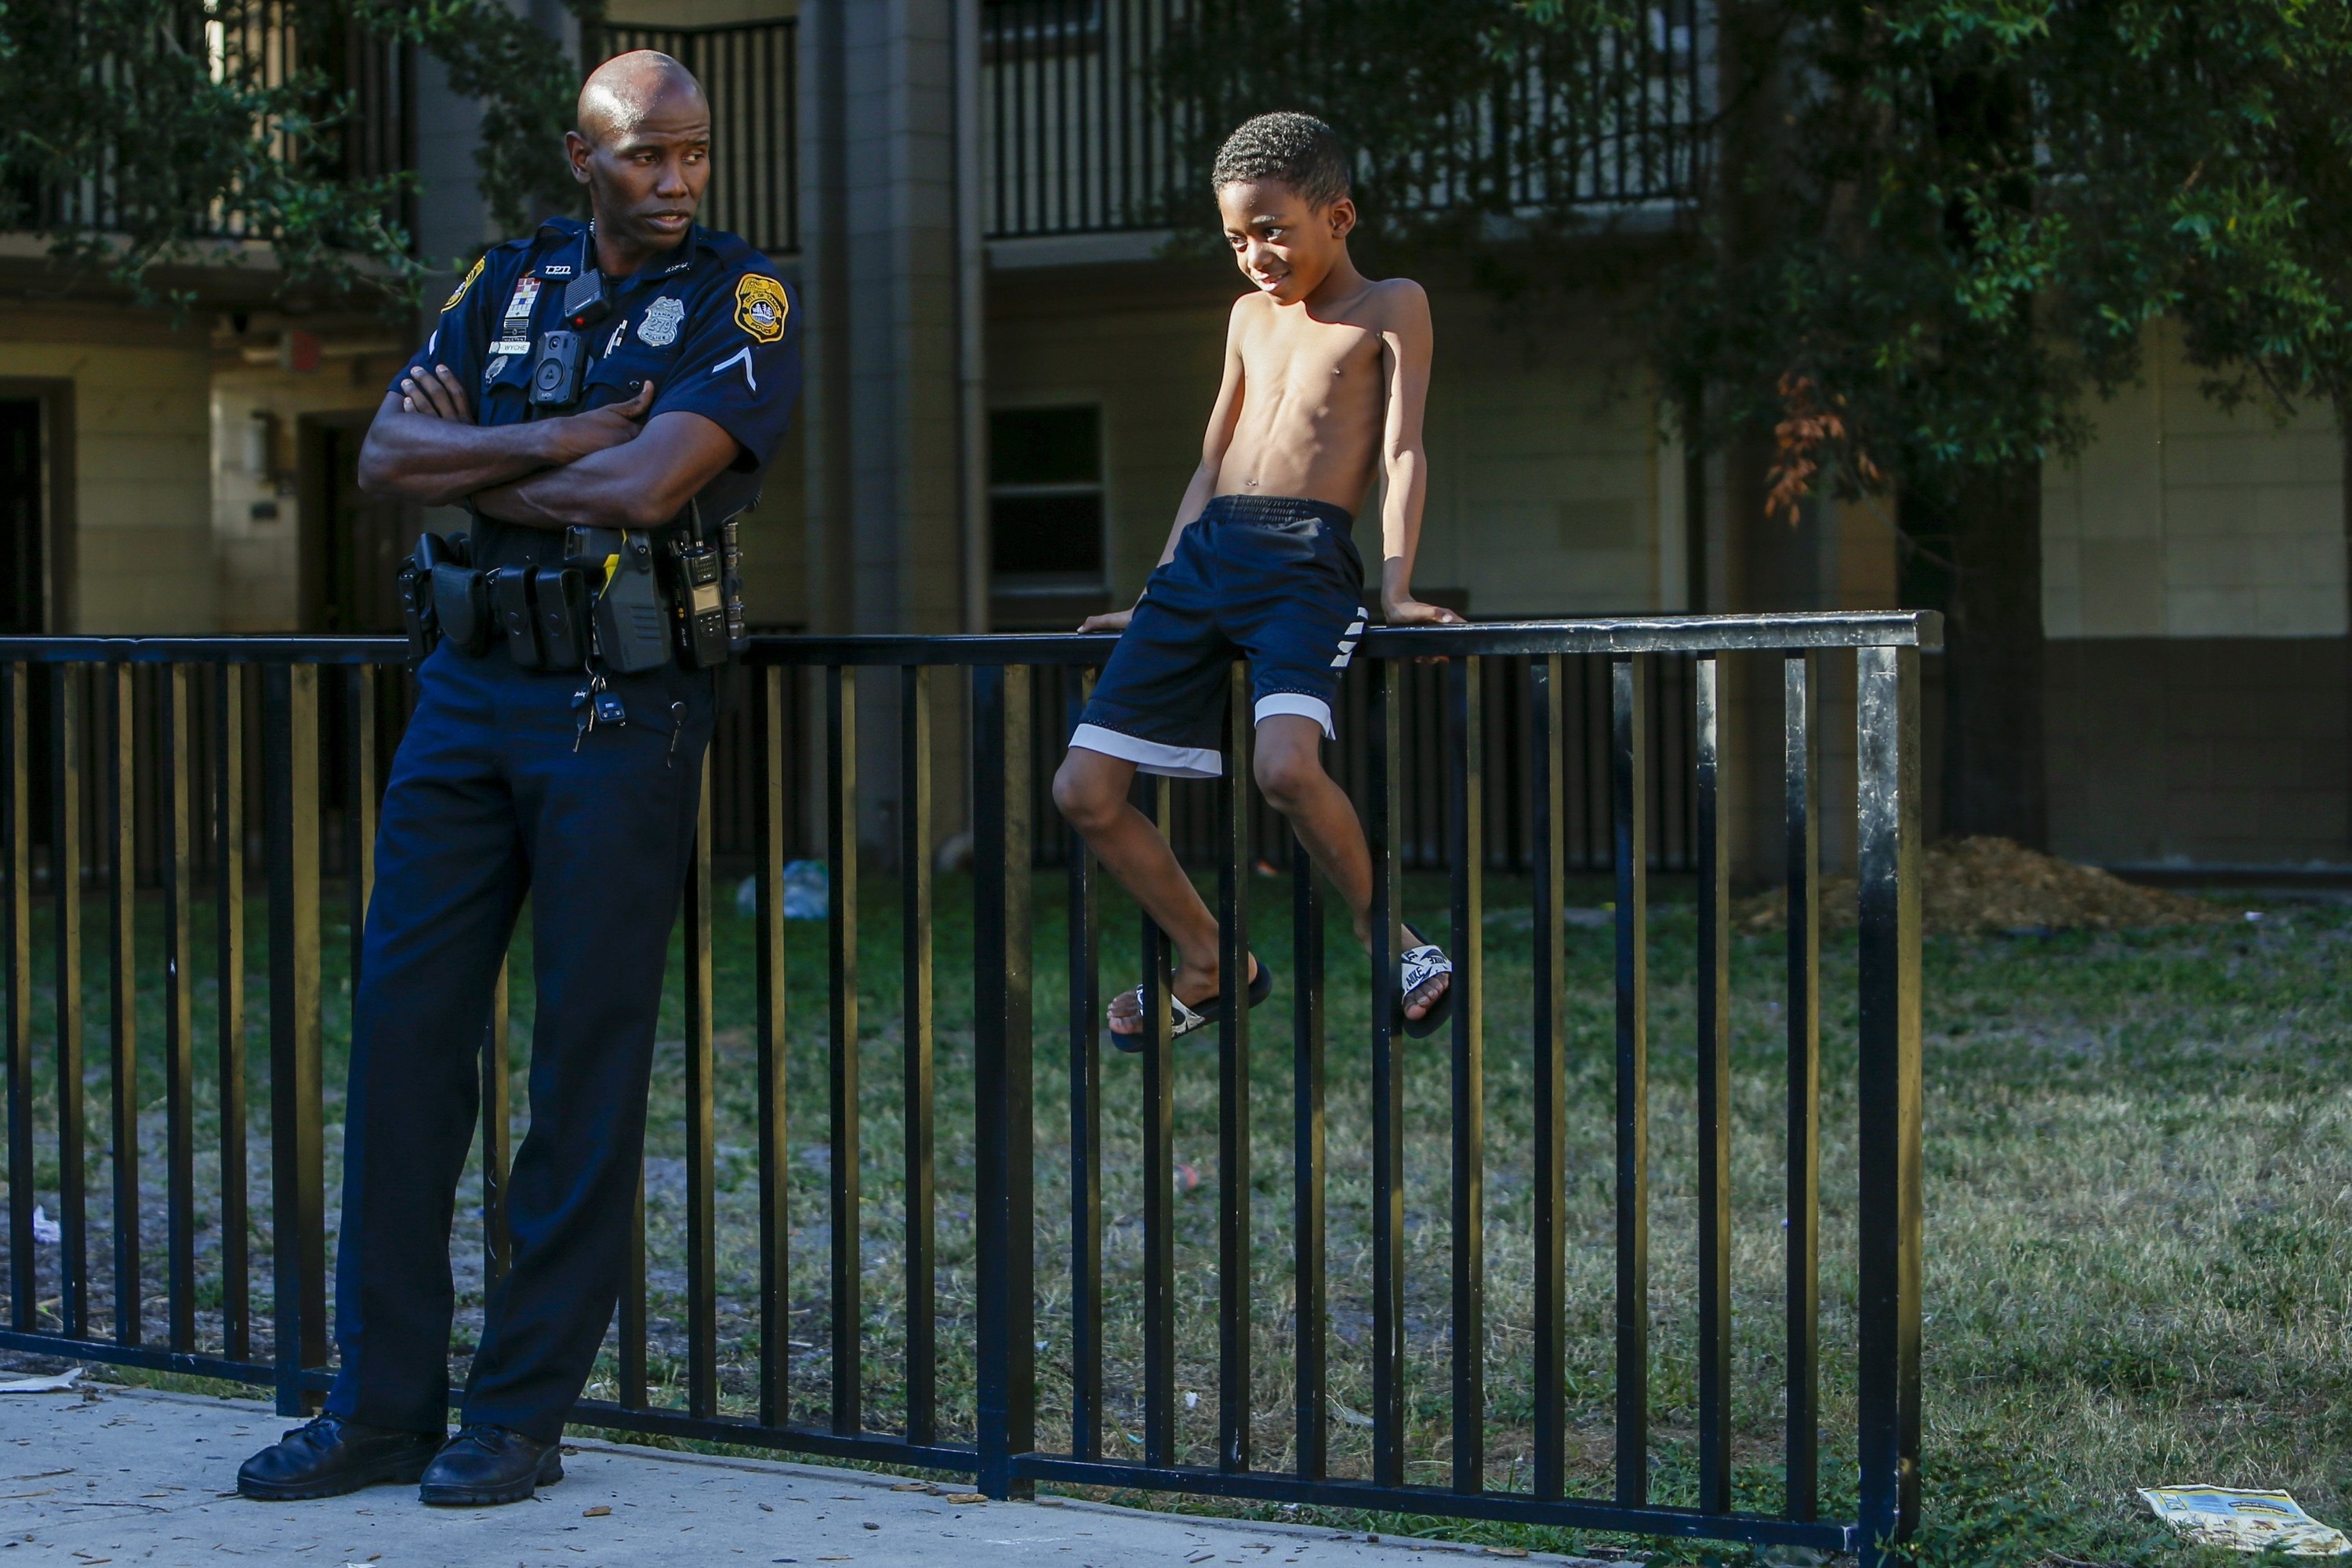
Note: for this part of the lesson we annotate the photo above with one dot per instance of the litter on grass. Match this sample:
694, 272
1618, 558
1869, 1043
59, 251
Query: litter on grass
58, 1384
2245, 1520
805, 892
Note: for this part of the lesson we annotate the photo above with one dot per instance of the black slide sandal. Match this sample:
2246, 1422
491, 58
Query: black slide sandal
1185, 1019
1421, 963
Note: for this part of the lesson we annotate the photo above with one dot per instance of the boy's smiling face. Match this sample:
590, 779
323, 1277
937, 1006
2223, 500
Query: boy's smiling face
1282, 245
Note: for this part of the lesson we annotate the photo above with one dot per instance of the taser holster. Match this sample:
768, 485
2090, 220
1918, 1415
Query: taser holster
631, 620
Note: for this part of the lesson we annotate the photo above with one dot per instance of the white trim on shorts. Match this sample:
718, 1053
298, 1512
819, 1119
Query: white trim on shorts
1297, 702
1152, 756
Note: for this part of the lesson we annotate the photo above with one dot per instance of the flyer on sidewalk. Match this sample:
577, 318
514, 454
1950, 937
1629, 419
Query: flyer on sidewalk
2245, 1520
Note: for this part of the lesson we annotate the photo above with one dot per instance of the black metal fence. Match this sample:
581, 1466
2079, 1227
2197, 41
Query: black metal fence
960, 1348
750, 73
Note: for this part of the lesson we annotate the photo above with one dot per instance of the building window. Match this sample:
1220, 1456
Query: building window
1046, 499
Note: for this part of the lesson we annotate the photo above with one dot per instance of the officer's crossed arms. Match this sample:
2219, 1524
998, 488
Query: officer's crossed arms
644, 149
633, 374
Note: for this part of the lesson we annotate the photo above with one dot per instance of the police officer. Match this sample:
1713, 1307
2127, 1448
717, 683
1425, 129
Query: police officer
569, 771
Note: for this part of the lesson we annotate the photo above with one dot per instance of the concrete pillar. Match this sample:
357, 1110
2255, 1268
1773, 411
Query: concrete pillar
891, 252
451, 225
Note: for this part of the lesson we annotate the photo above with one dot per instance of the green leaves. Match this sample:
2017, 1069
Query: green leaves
142, 134
1950, 219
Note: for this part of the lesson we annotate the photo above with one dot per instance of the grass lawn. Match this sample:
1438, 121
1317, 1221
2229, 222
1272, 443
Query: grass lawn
2139, 1206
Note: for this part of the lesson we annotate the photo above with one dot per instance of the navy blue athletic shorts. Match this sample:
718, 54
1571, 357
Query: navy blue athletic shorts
1275, 579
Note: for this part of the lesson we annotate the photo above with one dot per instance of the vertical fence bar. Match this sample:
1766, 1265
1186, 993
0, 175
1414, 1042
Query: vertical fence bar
120, 826
701, 1153
1547, 831
65, 890
1888, 1097
841, 860
1085, 1126
1233, 1083
1801, 781
1629, 686
359, 814
16, 831
1384, 777
632, 1357
179, 1021
1466, 832
298, 1222
1713, 1006
1002, 715
775, 1150
498, 1135
914, 880
228, 932
1158, 1176
1311, 1323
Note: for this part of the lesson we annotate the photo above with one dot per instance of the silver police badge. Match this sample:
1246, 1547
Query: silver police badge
658, 330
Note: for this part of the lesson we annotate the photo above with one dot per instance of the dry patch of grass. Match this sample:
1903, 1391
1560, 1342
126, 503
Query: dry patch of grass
1993, 886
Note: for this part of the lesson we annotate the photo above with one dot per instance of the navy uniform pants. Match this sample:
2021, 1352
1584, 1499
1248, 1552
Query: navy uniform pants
488, 803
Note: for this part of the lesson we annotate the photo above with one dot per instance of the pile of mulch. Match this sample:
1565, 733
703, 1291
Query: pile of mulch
1975, 885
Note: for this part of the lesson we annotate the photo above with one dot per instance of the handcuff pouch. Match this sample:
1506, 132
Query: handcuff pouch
461, 602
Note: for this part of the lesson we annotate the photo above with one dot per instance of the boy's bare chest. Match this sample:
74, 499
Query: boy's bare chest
1313, 358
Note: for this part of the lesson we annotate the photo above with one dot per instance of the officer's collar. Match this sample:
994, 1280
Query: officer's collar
697, 239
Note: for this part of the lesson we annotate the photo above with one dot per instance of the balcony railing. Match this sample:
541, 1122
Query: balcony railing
750, 73
1081, 135
1086, 136
255, 42
1017, 1192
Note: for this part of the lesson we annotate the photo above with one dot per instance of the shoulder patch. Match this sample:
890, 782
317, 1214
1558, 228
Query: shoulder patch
761, 307
466, 282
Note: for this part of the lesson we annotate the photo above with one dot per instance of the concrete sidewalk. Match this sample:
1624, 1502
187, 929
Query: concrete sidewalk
132, 1476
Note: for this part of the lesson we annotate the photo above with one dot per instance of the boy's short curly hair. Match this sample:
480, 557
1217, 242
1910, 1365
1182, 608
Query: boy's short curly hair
1296, 149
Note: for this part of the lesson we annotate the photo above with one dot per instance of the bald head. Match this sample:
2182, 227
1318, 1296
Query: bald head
642, 150
628, 91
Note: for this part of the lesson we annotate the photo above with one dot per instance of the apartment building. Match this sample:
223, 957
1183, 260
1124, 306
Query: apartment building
1013, 345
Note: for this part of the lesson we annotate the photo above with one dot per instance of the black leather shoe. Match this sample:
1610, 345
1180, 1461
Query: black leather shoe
331, 1457
485, 1465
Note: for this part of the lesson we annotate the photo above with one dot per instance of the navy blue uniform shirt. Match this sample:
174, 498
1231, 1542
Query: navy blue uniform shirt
710, 324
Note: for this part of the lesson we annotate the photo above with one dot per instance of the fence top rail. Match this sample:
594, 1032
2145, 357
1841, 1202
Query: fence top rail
1618, 635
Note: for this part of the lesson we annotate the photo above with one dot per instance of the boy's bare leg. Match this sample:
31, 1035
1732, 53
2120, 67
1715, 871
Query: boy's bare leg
1291, 775
1091, 789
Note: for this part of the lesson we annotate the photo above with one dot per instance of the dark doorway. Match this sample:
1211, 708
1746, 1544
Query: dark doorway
24, 512
350, 543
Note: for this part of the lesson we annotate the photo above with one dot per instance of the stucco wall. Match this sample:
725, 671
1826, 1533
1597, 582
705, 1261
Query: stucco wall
142, 545
2184, 520
259, 555
1546, 475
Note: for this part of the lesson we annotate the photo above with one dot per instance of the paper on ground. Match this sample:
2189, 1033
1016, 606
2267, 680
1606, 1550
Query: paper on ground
46, 1230
55, 1385
2245, 1520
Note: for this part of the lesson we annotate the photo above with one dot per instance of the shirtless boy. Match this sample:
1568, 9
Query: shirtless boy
1326, 373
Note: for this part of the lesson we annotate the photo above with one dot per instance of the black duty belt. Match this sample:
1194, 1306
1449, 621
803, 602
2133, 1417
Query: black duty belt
622, 601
